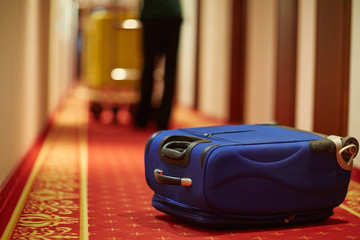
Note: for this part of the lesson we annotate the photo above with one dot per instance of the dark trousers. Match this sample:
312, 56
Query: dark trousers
160, 37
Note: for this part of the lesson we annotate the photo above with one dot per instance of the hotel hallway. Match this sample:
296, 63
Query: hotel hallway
84, 179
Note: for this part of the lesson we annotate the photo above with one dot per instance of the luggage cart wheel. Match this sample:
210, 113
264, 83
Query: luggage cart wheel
115, 109
96, 109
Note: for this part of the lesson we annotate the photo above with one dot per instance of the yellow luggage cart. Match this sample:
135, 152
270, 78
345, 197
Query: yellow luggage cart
112, 60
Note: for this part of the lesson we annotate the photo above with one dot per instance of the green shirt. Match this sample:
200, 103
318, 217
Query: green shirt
160, 9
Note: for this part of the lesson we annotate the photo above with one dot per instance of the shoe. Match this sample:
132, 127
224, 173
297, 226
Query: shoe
162, 126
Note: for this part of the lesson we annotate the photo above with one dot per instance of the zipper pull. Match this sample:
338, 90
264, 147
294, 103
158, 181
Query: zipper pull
289, 218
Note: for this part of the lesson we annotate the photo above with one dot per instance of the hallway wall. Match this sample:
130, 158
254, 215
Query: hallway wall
11, 46
30, 90
214, 57
260, 61
187, 51
354, 113
305, 64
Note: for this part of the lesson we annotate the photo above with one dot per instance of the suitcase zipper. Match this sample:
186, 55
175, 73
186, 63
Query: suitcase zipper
215, 219
289, 218
209, 135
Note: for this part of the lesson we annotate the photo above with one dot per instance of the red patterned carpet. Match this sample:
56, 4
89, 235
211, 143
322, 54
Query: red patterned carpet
87, 182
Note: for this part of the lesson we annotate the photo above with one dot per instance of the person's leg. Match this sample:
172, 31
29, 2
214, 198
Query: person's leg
147, 82
171, 50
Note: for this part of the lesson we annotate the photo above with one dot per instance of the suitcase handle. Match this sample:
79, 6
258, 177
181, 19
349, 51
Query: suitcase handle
175, 150
168, 180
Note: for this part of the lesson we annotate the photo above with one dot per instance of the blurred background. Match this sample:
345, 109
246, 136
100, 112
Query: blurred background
243, 61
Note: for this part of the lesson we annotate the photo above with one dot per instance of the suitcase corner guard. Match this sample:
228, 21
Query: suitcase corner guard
345, 149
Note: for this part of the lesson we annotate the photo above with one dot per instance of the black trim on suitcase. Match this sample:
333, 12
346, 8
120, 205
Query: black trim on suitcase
204, 152
345, 149
151, 138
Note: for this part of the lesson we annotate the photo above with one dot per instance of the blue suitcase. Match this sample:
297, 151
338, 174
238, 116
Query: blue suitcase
246, 175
